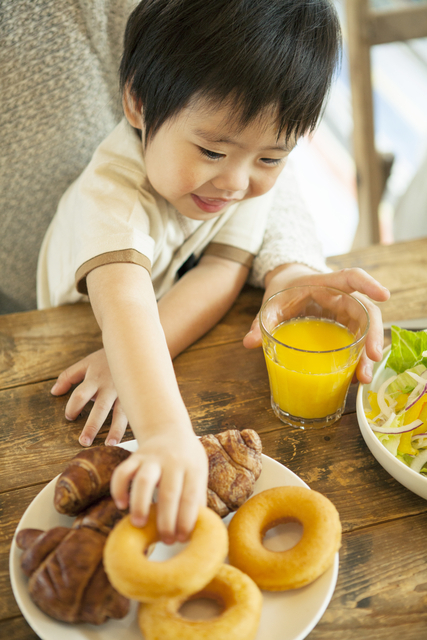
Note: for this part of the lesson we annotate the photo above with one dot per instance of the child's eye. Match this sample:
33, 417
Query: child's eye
272, 161
212, 155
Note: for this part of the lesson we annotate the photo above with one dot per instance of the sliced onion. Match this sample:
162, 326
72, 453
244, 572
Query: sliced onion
419, 461
420, 445
418, 396
391, 403
388, 421
385, 408
419, 441
416, 377
403, 429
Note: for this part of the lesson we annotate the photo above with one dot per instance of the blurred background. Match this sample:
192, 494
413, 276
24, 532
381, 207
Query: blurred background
325, 164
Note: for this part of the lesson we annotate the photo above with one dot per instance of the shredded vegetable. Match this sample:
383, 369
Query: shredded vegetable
398, 411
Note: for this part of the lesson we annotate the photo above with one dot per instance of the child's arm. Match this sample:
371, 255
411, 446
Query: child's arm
349, 280
169, 456
192, 307
199, 300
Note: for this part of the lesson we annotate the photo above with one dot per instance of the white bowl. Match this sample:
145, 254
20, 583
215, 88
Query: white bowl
408, 477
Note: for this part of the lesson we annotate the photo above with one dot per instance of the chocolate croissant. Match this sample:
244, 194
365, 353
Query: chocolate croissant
235, 464
101, 516
67, 579
86, 478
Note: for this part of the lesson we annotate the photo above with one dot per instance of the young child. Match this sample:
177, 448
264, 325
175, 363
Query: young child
216, 95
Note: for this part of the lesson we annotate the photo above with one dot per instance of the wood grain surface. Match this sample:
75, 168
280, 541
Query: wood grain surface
382, 585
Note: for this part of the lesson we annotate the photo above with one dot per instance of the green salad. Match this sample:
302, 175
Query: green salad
398, 410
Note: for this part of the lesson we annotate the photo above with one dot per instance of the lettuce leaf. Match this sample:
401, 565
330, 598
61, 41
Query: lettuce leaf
391, 442
407, 349
404, 383
405, 458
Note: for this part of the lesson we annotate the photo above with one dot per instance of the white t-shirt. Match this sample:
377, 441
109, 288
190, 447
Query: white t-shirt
111, 213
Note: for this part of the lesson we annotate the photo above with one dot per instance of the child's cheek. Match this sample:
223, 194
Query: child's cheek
265, 184
188, 178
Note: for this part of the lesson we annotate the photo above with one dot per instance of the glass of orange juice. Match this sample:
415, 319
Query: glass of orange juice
312, 339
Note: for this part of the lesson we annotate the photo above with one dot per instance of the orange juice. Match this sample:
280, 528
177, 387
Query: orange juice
311, 370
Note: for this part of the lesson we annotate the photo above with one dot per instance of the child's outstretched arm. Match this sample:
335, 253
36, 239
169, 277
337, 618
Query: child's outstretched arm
169, 454
355, 281
193, 306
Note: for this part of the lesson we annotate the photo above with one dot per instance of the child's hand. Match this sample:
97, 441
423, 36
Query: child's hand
355, 281
96, 384
176, 463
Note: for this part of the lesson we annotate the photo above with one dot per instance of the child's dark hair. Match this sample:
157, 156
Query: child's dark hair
256, 54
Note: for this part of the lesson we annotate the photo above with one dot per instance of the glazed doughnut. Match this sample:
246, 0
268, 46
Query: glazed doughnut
242, 601
295, 567
133, 575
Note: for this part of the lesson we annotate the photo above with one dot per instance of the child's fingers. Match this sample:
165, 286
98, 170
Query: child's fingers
364, 369
69, 377
375, 338
119, 423
168, 501
354, 279
121, 479
374, 343
97, 416
144, 482
79, 399
193, 497
253, 338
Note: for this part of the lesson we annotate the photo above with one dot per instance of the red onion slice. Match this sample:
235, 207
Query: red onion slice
403, 429
417, 398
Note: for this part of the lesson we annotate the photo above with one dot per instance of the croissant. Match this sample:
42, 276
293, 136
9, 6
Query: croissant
235, 464
67, 579
86, 478
101, 516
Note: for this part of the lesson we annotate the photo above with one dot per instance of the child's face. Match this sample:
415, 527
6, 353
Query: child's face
201, 164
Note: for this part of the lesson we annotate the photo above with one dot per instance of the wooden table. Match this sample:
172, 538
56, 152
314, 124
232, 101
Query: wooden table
381, 592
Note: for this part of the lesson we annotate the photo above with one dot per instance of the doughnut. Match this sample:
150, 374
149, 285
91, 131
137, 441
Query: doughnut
133, 575
295, 567
239, 595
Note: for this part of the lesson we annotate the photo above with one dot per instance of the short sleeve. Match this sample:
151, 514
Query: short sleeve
116, 226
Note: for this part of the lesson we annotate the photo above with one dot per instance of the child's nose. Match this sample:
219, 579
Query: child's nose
232, 180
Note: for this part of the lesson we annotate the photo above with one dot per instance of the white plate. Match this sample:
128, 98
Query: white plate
287, 615
408, 477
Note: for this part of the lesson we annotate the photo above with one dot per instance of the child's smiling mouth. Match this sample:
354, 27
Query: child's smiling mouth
211, 205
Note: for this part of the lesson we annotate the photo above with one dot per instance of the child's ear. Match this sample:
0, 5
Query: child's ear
133, 113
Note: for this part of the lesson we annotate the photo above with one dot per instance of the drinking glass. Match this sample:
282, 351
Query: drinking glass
312, 337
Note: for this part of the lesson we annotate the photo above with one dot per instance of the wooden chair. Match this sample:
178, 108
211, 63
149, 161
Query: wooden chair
367, 27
